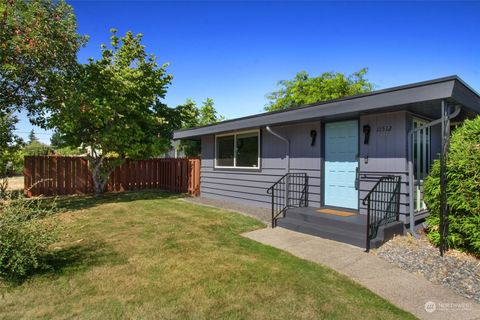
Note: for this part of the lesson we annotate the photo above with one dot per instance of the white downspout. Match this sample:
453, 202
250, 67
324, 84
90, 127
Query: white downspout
411, 204
287, 156
287, 142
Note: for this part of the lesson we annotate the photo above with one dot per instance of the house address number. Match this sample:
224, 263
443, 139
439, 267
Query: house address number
384, 128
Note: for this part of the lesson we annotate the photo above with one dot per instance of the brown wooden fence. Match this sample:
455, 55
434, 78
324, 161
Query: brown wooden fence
55, 175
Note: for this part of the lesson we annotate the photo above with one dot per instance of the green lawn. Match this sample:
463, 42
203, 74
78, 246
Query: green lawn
153, 256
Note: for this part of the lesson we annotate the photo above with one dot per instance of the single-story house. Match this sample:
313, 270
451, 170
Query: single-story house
338, 168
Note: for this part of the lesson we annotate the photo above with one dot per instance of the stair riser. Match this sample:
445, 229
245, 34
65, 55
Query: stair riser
319, 220
316, 231
354, 238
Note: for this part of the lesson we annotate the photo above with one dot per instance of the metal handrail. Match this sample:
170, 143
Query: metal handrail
290, 191
269, 190
383, 205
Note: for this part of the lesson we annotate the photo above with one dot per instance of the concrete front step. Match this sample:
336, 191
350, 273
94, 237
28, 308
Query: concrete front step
323, 231
351, 230
356, 223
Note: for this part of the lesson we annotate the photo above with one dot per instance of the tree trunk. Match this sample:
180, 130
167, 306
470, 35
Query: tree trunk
99, 175
101, 171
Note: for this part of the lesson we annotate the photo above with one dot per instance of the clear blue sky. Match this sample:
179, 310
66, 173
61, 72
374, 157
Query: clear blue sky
235, 52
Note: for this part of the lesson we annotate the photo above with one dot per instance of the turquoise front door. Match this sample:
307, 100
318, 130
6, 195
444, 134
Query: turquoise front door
341, 150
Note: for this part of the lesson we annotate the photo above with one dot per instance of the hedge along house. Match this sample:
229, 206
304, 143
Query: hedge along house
337, 169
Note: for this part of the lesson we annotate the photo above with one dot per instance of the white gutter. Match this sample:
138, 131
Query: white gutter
411, 204
287, 142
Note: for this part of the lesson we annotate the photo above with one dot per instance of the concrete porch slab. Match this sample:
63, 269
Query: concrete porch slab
405, 290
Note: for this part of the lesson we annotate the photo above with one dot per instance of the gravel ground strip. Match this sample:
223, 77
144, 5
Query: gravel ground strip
456, 270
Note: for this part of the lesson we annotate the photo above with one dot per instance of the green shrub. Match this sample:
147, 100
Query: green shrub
25, 235
68, 151
463, 190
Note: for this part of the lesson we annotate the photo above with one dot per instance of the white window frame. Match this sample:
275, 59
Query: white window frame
235, 134
426, 136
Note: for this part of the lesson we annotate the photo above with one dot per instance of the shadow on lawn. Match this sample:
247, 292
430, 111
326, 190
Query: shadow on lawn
79, 202
73, 258
80, 257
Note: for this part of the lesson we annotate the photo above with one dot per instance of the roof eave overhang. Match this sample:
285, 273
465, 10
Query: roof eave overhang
466, 96
376, 101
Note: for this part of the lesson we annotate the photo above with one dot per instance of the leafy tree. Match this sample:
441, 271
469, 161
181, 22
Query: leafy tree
187, 114
193, 116
304, 89
463, 190
57, 140
16, 160
36, 148
9, 142
113, 106
69, 151
32, 137
9, 147
38, 42
208, 114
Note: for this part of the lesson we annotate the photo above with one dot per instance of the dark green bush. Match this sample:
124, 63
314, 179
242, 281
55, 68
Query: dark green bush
463, 190
25, 235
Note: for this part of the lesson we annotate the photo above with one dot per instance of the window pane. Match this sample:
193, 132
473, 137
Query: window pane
225, 150
247, 150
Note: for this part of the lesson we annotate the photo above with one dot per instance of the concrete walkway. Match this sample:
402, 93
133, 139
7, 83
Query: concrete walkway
407, 291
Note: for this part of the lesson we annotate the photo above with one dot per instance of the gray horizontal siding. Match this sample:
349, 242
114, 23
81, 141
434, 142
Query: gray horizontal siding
250, 176
250, 186
245, 198
385, 154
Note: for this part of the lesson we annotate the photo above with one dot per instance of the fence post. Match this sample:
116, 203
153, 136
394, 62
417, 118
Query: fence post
40, 173
199, 177
78, 175
68, 175
154, 173
191, 176
126, 168
61, 175
53, 175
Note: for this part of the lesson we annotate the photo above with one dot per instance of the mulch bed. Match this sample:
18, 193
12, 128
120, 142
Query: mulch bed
456, 270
